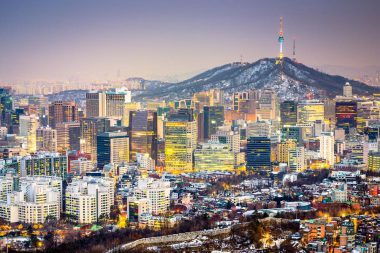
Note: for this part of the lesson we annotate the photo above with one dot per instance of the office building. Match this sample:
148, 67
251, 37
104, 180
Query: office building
346, 114
258, 153
62, 111
89, 129
143, 133
180, 143
112, 147
68, 136
310, 111
296, 159
288, 112
46, 139
28, 129
108, 103
213, 118
213, 157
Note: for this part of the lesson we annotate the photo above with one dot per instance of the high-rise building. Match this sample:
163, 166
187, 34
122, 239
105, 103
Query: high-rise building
239, 97
296, 159
62, 111
112, 147
89, 199
268, 106
143, 133
310, 111
44, 164
283, 150
156, 192
107, 103
6, 104
346, 113
68, 136
227, 137
288, 112
28, 129
374, 161
89, 129
258, 153
213, 118
180, 143
95, 104
36, 199
326, 146
213, 156
347, 90
46, 139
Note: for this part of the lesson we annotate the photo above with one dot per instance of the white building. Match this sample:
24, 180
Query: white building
296, 159
89, 199
326, 150
347, 90
37, 198
339, 194
145, 161
227, 137
156, 191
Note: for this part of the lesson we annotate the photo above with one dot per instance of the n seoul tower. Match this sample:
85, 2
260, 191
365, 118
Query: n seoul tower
281, 41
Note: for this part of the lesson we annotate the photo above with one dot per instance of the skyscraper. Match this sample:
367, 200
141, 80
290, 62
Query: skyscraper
327, 147
310, 111
258, 154
180, 142
346, 113
6, 103
62, 111
288, 112
68, 136
347, 90
89, 129
112, 147
28, 128
46, 139
107, 103
213, 118
143, 128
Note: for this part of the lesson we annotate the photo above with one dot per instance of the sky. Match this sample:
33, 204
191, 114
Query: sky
175, 39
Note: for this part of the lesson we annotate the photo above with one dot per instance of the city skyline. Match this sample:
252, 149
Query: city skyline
168, 40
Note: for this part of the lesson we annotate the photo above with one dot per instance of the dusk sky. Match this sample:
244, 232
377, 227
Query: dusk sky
158, 39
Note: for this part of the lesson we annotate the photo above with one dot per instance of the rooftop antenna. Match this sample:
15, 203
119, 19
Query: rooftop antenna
294, 50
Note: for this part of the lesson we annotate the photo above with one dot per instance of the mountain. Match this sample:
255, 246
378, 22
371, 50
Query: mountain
291, 80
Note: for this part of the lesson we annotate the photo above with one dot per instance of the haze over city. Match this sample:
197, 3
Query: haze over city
202, 126
173, 40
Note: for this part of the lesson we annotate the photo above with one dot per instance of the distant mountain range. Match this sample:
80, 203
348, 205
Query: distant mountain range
291, 80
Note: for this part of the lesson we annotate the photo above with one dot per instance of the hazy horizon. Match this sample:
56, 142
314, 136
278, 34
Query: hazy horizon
167, 39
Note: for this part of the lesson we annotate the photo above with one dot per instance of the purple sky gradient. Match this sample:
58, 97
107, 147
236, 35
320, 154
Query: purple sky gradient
156, 39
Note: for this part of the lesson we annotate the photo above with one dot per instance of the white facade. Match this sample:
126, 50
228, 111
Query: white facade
38, 198
89, 198
296, 159
326, 150
156, 191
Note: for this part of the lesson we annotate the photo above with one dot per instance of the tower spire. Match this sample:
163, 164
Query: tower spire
281, 41
294, 50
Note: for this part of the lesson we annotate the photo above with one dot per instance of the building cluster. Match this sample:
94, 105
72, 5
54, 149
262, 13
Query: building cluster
155, 163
